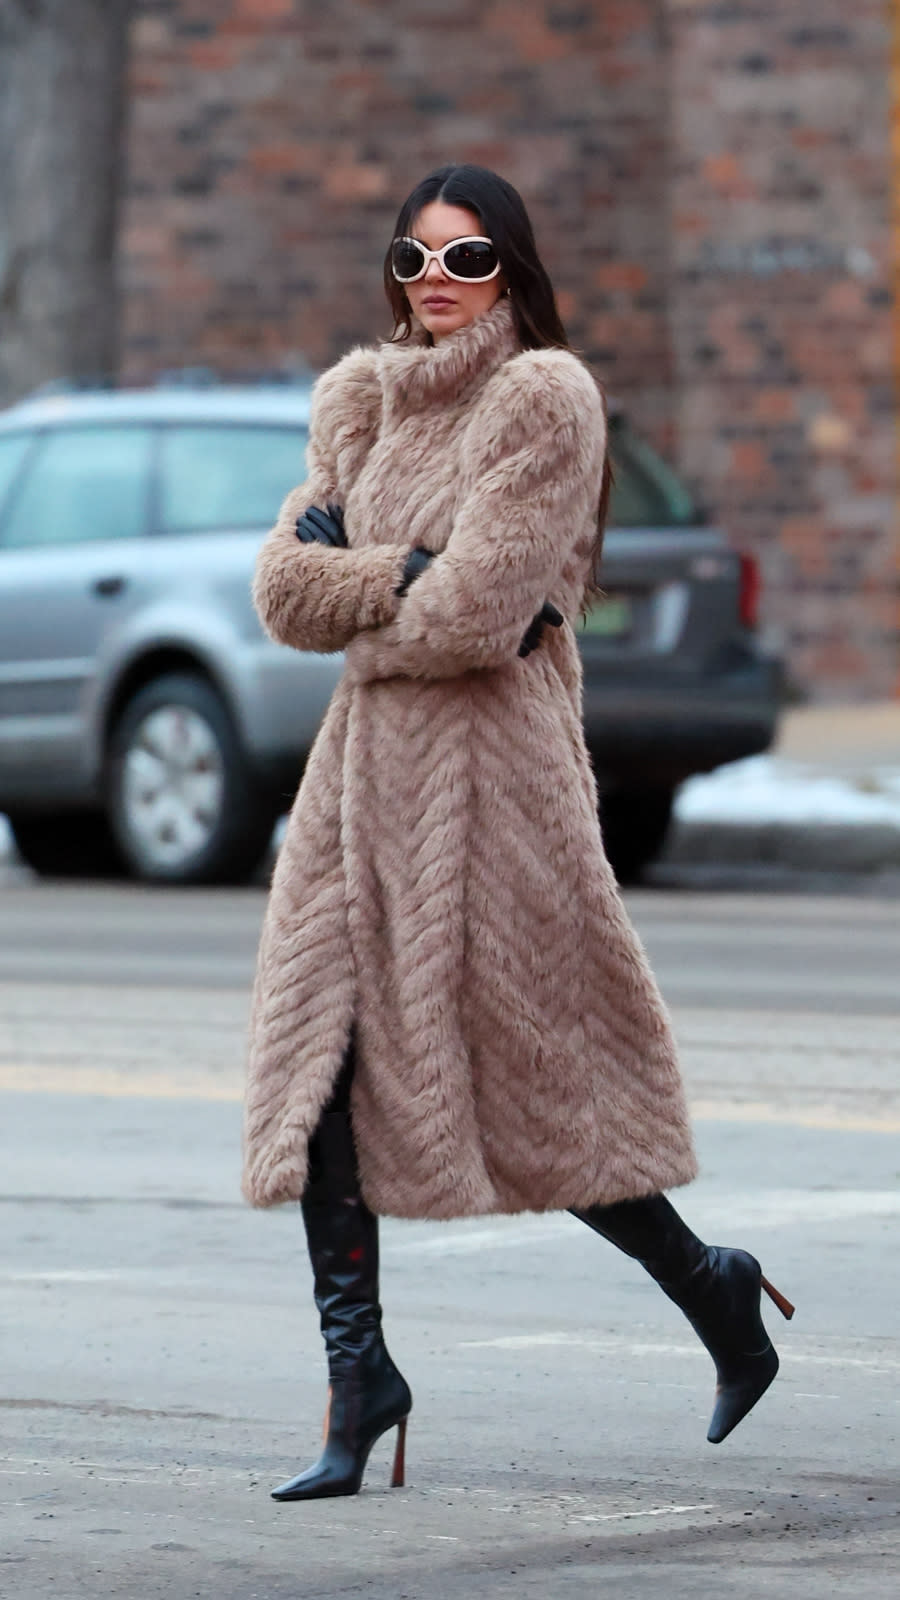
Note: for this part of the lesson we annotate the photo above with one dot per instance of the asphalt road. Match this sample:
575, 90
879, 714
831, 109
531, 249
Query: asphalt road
160, 1360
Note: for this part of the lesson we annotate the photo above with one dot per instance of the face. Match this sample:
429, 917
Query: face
443, 304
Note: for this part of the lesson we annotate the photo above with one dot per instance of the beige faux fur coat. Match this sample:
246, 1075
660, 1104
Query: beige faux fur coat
442, 885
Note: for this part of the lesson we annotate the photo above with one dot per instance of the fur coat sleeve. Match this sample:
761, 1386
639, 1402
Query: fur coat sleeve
533, 465
310, 595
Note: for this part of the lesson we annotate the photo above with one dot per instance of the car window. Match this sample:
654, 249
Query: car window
82, 484
646, 493
12, 453
227, 477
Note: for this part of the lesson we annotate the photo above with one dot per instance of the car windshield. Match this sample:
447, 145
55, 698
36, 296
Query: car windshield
646, 493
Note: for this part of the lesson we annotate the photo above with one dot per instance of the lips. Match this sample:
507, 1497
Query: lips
436, 301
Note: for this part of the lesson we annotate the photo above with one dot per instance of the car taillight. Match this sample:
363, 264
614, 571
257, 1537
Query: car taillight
748, 603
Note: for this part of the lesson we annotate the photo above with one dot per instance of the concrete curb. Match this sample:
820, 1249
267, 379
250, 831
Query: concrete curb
818, 847
798, 847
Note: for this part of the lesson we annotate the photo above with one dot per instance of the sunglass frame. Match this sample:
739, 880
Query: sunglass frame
438, 256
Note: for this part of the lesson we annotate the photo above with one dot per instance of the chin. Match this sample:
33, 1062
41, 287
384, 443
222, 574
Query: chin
438, 325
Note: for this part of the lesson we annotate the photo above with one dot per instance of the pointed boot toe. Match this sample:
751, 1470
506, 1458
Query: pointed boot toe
723, 1307
318, 1483
737, 1395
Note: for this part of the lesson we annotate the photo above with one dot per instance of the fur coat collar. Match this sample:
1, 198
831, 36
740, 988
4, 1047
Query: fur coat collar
416, 374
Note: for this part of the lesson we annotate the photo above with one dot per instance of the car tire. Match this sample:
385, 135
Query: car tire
67, 844
634, 823
182, 799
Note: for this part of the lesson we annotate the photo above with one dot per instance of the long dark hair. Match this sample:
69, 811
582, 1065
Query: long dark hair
501, 211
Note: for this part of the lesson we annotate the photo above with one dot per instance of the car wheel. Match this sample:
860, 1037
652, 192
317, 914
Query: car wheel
182, 799
634, 823
68, 844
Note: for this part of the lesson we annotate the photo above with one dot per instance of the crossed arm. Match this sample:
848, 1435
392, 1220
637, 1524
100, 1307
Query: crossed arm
327, 527
532, 482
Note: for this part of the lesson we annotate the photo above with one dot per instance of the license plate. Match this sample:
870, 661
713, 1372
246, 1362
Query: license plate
610, 617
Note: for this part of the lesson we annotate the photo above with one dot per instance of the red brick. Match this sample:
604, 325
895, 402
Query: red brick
260, 12
216, 55
628, 275
749, 459
522, 25
725, 173
355, 181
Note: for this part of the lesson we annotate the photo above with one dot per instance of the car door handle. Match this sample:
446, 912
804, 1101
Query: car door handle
107, 587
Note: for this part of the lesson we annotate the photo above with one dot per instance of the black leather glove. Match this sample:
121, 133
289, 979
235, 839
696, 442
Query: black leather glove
534, 632
419, 558
322, 527
416, 562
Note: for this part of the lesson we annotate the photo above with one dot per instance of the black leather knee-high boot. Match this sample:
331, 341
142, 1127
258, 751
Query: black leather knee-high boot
367, 1393
718, 1290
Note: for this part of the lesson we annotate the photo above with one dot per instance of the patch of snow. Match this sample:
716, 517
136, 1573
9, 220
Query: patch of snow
6, 839
766, 789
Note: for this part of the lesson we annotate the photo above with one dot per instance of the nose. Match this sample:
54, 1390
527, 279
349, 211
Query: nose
434, 273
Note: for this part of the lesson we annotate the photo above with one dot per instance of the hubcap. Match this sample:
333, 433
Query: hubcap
173, 786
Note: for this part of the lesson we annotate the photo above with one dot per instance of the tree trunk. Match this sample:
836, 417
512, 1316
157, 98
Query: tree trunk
62, 103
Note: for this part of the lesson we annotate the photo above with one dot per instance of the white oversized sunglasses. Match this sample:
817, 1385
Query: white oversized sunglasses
470, 260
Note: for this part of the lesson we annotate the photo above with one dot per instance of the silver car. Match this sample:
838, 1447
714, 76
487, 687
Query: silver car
148, 726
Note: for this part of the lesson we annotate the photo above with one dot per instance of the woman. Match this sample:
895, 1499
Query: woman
446, 962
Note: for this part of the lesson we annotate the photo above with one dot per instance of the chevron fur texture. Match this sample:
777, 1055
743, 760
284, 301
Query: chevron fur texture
442, 889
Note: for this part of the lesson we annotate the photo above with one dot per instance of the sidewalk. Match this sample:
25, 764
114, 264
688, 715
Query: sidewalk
826, 798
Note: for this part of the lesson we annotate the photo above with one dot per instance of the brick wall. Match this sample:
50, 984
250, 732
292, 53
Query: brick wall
273, 141
781, 314
709, 186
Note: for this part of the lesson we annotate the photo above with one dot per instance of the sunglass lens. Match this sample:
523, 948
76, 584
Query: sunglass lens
471, 258
407, 259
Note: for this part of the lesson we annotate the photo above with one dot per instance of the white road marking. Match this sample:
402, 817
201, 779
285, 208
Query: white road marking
624, 1516
70, 1275
622, 1346
468, 1240
708, 1209
788, 1207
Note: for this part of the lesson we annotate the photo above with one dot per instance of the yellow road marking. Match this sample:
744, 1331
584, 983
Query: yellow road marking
833, 1117
111, 1083
115, 1085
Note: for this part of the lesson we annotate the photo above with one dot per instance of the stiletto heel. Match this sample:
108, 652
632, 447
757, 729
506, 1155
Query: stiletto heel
398, 1476
783, 1304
